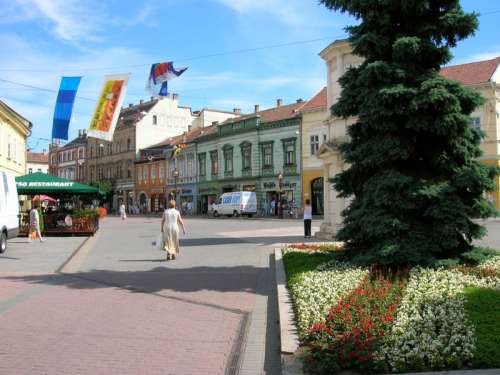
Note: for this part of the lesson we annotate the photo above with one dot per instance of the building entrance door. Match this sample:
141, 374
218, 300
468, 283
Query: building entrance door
317, 196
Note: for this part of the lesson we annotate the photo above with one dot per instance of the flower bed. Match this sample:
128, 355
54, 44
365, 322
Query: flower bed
349, 318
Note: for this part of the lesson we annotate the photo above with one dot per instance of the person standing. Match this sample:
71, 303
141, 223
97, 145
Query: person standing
170, 222
273, 207
35, 224
123, 214
307, 219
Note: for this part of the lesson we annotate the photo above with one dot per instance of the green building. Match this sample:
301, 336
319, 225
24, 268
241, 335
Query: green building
249, 153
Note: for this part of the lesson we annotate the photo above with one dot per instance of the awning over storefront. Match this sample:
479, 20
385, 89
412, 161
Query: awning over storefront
42, 183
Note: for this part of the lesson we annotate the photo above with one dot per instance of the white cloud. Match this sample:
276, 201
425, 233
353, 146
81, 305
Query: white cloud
288, 11
482, 56
69, 20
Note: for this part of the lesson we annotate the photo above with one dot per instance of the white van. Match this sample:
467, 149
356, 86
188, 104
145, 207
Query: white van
9, 209
236, 203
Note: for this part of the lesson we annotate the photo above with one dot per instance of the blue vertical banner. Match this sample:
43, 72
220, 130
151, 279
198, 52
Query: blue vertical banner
64, 107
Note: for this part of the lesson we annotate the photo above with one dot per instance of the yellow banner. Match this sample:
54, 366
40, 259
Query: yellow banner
108, 106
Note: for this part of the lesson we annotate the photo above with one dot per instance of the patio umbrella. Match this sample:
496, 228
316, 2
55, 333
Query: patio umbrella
43, 198
42, 183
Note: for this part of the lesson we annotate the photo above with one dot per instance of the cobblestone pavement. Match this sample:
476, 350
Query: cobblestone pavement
122, 309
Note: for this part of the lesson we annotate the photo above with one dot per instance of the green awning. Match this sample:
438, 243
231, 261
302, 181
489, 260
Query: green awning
42, 183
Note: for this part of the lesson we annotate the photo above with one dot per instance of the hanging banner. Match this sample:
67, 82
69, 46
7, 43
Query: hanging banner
160, 74
108, 106
64, 106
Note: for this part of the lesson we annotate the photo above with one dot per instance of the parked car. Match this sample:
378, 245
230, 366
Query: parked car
9, 209
236, 203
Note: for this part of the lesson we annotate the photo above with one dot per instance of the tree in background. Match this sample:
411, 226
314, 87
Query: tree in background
413, 173
106, 188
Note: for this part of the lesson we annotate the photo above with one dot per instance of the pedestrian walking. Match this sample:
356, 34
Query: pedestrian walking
170, 222
307, 219
273, 207
190, 208
123, 214
35, 224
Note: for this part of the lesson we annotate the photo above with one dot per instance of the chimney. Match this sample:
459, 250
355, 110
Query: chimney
141, 101
300, 100
84, 131
257, 108
279, 102
215, 122
175, 96
79, 132
130, 105
152, 98
237, 111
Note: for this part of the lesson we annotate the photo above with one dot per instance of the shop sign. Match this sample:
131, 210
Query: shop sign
284, 184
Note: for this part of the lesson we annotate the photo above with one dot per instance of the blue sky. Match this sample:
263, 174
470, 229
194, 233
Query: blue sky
41, 40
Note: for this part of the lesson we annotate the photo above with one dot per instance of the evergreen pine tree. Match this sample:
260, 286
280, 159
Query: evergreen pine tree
412, 173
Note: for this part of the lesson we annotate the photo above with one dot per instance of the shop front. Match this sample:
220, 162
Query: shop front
208, 192
186, 198
158, 202
313, 189
270, 194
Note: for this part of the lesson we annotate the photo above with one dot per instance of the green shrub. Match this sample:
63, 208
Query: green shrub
483, 308
94, 214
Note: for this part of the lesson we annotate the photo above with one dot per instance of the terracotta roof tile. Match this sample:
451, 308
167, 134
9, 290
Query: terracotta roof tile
472, 73
318, 101
282, 112
37, 157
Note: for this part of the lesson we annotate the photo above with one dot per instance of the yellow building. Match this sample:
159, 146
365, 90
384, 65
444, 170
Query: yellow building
484, 76
314, 133
14, 130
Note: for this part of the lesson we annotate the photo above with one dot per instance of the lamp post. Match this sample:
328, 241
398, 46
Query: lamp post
175, 174
280, 205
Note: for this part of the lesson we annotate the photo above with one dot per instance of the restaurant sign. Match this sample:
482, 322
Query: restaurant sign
44, 184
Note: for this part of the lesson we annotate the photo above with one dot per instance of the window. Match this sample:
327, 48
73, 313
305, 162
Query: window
289, 150
324, 138
228, 159
190, 165
214, 159
129, 168
267, 155
202, 164
476, 122
30, 171
153, 172
128, 144
246, 156
161, 172
39, 169
155, 120
314, 142
290, 154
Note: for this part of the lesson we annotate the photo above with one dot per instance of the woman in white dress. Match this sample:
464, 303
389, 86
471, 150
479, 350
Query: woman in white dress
170, 222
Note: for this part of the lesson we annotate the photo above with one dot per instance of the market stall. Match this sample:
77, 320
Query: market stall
64, 212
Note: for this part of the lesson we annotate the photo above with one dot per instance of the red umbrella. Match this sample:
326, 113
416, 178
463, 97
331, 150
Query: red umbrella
43, 198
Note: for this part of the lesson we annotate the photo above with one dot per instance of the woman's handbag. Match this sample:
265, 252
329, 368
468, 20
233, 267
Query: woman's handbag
158, 242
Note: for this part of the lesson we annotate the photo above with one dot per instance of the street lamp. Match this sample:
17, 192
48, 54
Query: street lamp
175, 174
280, 203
